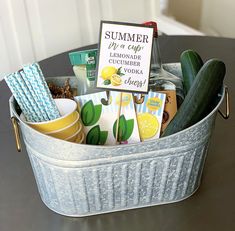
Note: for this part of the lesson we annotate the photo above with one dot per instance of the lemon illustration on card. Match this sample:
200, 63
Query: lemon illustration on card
149, 115
108, 71
116, 80
148, 125
112, 75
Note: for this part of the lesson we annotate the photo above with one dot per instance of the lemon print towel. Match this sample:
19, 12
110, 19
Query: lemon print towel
149, 115
99, 118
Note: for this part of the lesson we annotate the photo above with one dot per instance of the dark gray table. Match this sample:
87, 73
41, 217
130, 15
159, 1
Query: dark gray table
212, 207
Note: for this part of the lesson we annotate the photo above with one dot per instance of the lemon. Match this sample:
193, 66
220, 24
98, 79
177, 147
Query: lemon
108, 71
148, 125
116, 80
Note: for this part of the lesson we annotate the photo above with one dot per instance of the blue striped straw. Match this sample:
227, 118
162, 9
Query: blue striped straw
29, 98
25, 99
40, 87
38, 73
12, 84
37, 102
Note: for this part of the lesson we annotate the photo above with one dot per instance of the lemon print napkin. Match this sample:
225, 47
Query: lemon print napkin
149, 115
99, 118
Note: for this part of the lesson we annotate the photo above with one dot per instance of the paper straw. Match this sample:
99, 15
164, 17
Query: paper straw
39, 85
11, 82
24, 95
34, 109
38, 73
37, 102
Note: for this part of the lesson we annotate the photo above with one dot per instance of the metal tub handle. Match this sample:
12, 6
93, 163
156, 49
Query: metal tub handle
17, 133
227, 106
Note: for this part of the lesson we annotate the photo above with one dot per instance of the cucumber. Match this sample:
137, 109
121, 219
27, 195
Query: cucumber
201, 95
191, 63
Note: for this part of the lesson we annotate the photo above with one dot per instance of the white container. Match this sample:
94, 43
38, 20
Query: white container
84, 67
81, 180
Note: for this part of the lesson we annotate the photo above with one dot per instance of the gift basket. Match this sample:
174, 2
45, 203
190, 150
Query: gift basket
78, 175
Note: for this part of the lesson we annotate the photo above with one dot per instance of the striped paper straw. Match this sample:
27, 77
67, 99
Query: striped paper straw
39, 85
23, 95
12, 84
38, 73
29, 98
37, 102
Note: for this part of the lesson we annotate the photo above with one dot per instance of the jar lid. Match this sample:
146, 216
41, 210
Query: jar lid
154, 25
83, 57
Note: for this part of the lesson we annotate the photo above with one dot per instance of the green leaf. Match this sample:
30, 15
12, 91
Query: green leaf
122, 128
103, 137
88, 113
93, 136
130, 128
97, 114
107, 82
119, 71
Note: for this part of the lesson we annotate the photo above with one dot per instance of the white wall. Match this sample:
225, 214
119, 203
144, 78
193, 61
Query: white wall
185, 11
35, 29
31, 30
212, 17
218, 17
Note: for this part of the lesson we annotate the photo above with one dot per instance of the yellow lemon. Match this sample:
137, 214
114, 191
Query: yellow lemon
148, 125
116, 80
108, 71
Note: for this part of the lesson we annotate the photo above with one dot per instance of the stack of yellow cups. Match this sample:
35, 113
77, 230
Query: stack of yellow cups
67, 127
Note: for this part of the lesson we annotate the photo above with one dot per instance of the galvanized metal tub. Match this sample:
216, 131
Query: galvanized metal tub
81, 180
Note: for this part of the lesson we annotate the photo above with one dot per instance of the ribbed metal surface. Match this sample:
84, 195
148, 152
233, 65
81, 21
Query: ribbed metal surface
117, 186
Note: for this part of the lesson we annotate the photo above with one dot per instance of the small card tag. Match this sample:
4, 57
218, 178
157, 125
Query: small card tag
91, 67
149, 115
124, 56
100, 120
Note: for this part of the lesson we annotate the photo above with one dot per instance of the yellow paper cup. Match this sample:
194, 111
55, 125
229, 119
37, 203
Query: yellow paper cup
80, 138
67, 109
74, 137
68, 131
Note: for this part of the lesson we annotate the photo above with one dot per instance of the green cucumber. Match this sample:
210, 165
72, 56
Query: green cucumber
201, 95
191, 63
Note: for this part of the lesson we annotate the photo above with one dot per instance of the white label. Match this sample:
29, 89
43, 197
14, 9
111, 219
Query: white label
124, 57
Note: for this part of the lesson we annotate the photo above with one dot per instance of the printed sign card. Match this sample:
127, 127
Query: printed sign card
149, 115
100, 119
124, 56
